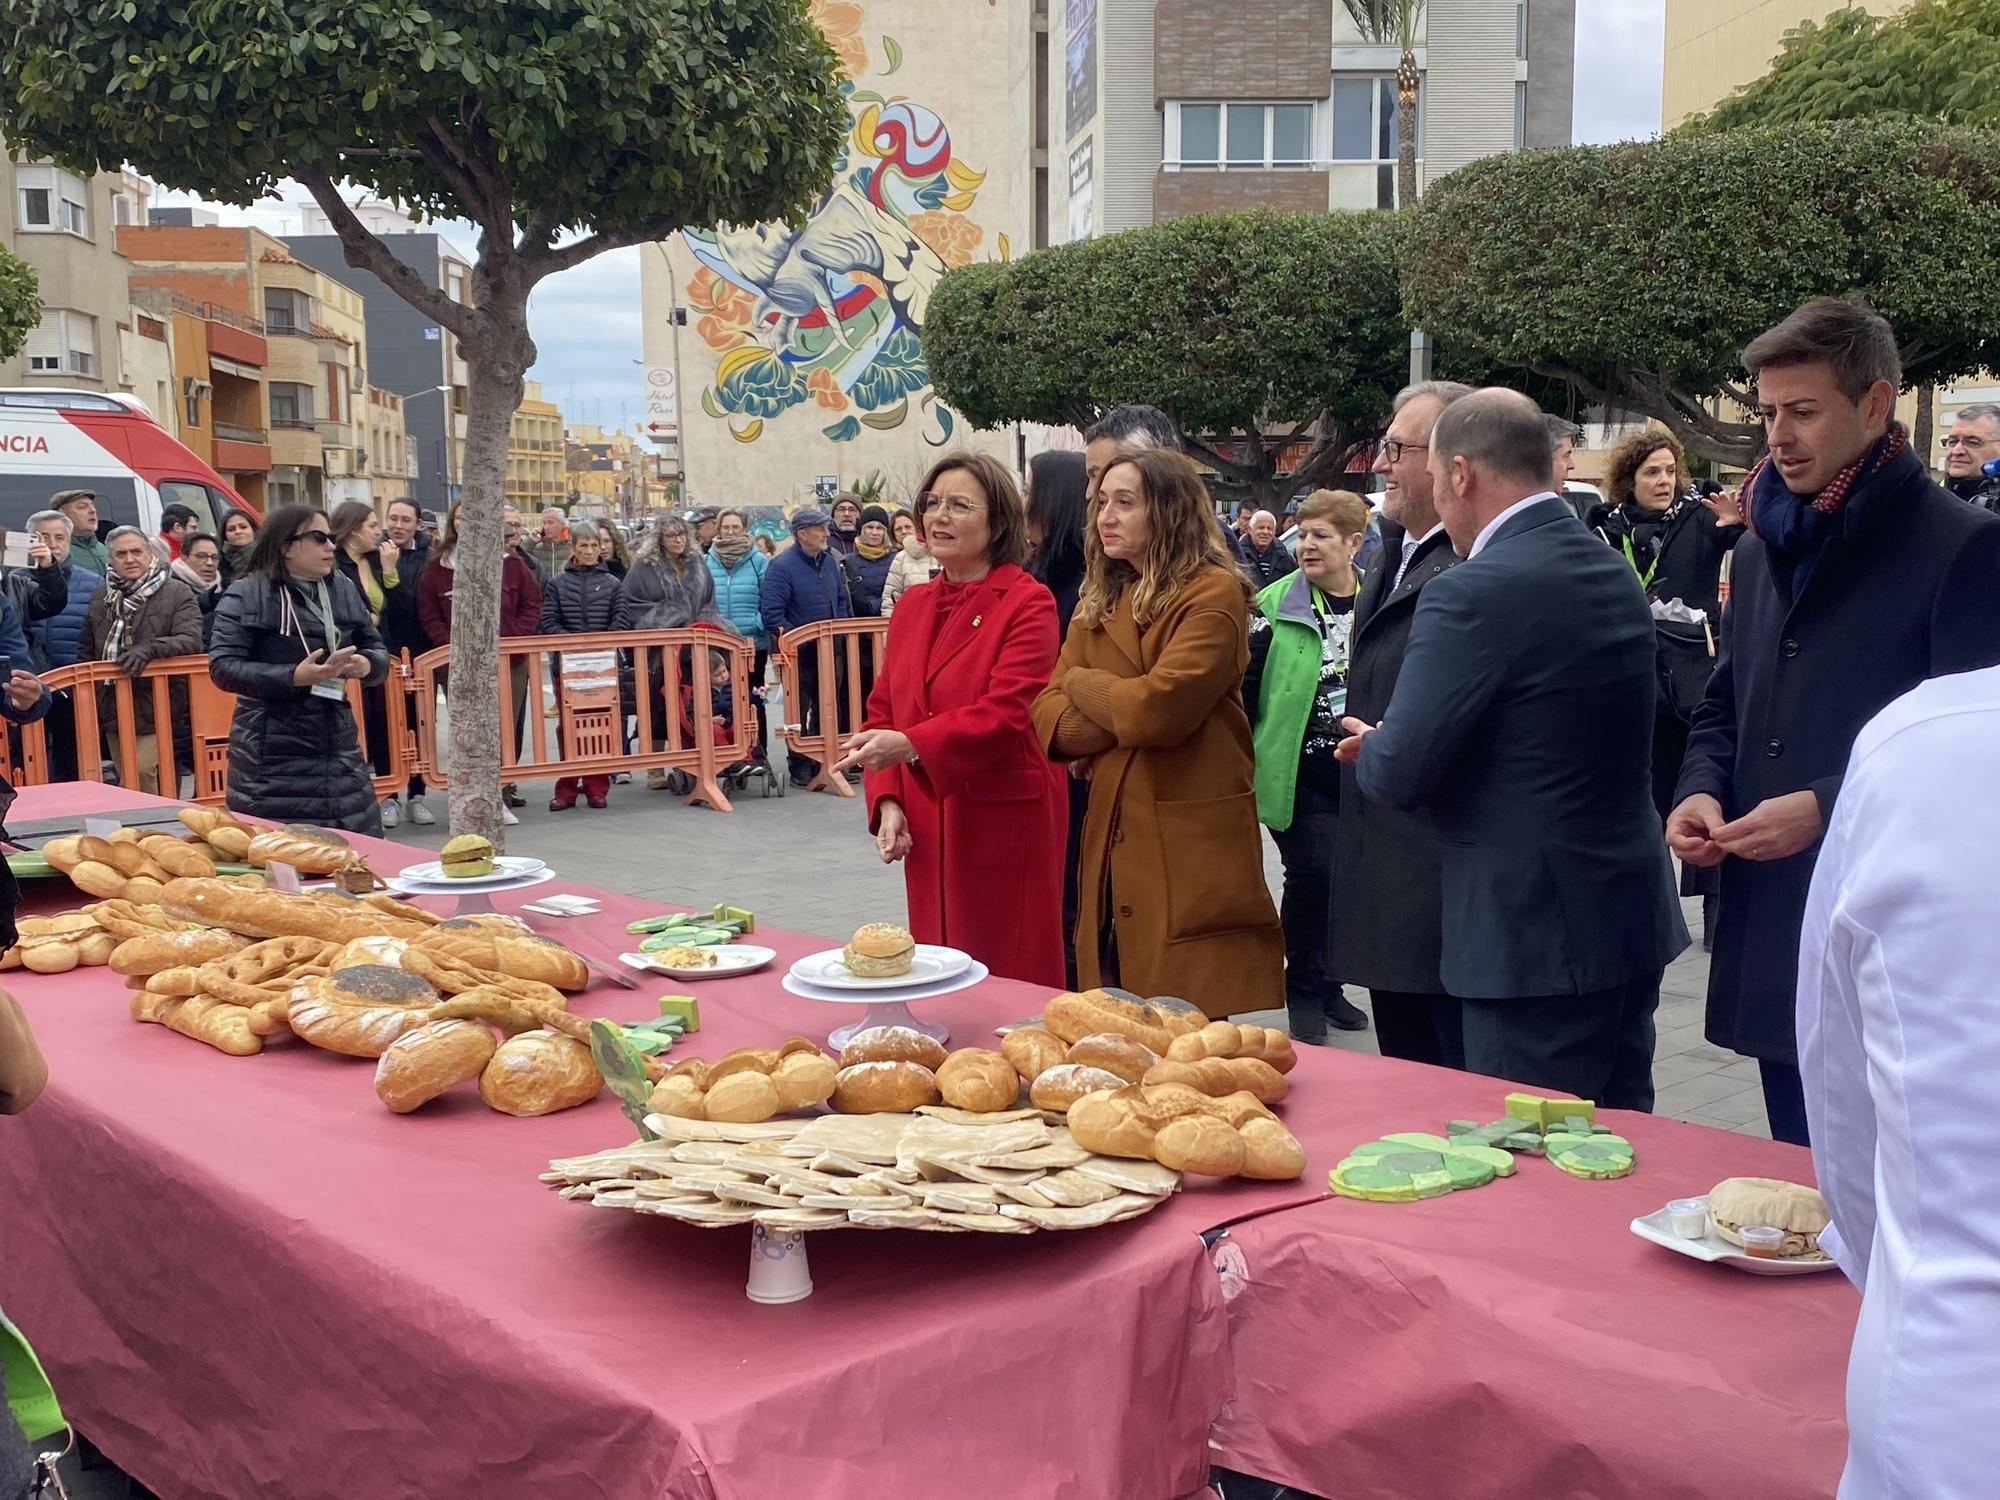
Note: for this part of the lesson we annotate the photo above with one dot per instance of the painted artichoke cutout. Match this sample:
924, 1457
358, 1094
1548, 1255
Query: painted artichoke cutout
1596, 1156
1410, 1165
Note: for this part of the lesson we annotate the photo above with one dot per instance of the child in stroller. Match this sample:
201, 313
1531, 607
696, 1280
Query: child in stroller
722, 711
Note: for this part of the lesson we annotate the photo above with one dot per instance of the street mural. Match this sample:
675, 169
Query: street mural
825, 315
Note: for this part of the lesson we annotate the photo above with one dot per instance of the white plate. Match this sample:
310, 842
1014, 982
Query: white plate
965, 981
932, 965
505, 867
1713, 1247
741, 958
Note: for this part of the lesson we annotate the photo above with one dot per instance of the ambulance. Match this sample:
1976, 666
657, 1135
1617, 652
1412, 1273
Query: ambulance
110, 444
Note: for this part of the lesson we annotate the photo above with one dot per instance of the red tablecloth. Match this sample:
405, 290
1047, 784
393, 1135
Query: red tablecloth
249, 1278
1519, 1340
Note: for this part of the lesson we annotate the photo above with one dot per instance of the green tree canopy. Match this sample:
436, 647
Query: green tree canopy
1255, 331
1636, 273
20, 305
613, 121
1937, 61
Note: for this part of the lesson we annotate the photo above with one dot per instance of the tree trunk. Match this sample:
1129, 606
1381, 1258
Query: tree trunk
1923, 432
498, 358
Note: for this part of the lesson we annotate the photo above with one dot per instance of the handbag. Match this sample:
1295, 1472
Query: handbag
1685, 660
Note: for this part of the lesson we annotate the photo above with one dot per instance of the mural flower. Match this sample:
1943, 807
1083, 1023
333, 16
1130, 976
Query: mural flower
842, 24
953, 236
826, 390
724, 308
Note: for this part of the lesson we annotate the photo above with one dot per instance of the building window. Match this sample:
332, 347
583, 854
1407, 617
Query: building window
291, 404
286, 311
64, 343
53, 200
192, 411
1521, 30
121, 208
1364, 129
1244, 136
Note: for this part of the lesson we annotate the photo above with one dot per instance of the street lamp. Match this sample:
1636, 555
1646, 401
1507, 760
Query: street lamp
444, 421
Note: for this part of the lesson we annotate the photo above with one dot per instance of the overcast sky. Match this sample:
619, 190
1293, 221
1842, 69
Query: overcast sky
586, 321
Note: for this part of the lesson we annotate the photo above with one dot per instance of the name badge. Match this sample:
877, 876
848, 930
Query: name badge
332, 690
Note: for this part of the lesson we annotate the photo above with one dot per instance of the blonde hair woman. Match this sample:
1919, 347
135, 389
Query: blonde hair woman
1146, 700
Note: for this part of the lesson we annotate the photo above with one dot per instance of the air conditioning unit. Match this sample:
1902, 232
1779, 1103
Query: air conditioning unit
201, 390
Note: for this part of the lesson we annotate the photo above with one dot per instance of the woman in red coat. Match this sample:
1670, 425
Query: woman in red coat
958, 787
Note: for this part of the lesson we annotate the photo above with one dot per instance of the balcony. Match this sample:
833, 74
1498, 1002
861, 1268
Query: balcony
235, 453
233, 337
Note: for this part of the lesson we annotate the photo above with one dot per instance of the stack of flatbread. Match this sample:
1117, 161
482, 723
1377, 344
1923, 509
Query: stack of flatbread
937, 1169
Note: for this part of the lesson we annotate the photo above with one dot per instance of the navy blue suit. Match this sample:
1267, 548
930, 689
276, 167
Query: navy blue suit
1522, 722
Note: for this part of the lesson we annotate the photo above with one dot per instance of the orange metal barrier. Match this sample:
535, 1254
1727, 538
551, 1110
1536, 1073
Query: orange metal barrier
103, 703
592, 708
840, 696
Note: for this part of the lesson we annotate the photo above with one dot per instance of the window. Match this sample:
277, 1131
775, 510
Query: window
1240, 135
193, 411
1365, 129
291, 404
65, 343
53, 200
121, 209
286, 311
1521, 30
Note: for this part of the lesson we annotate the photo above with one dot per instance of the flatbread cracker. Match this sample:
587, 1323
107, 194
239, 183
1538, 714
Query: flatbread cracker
1123, 1206
955, 1116
673, 1128
1147, 1177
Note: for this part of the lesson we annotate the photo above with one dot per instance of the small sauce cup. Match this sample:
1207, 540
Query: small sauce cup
1688, 1217
1762, 1241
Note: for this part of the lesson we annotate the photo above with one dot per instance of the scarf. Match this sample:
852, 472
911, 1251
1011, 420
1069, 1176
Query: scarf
730, 549
236, 560
128, 597
872, 551
192, 579
1795, 527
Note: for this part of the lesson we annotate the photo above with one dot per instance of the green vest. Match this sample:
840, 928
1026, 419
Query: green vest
1285, 695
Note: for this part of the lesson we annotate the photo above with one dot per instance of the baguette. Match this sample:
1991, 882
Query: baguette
518, 954
223, 1026
1220, 1076
309, 850
269, 914
153, 952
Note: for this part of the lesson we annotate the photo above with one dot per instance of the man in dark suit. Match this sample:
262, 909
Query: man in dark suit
1387, 917
1523, 721
1859, 578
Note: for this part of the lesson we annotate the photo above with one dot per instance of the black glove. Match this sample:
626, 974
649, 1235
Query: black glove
133, 660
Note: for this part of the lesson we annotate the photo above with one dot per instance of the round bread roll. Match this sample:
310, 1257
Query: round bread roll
1033, 1051
880, 1088
979, 1080
127, 857
1114, 1053
1737, 1202
50, 955
742, 1099
892, 1044
96, 850
538, 1073
177, 858
95, 947
64, 853
804, 1079
421, 1064
742, 1060
880, 950
1066, 1083
1198, 1144
98, 877
679, 1098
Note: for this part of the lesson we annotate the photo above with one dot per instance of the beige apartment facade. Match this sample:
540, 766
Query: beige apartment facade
1714, 47
65, 225
536, 467
788, 362
392, 462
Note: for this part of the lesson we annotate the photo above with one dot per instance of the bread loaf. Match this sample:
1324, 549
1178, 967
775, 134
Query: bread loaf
979, 1080
268, 914
1195, 1143
240, 977
1180, 1017
1075, 1016
742, 1099
892, 1044
315, 1016
309, 850
876, 1088
421, 1064
804, 1079
742, 1060
679, 1097
1033, 1051
1114, 1053
538, 1073
1271, 1153
177, 858
1061, 1086
223, 1026
154, 951
522, 955
1226, 1039
1177, 1126
1220, 1076
98, 878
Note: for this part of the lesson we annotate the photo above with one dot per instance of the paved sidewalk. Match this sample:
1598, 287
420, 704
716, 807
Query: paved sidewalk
807, 863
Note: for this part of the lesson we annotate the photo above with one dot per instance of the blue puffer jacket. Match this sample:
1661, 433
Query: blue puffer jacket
739, 595
868, 575
801, 590
55, 641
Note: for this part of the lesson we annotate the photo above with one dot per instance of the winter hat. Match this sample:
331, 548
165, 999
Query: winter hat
808, 515
876, 513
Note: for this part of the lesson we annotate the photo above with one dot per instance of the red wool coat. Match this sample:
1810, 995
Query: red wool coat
987, 809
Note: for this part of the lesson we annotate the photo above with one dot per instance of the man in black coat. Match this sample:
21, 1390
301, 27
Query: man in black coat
1522, 721
1387, 919
1265, 558
1859, 579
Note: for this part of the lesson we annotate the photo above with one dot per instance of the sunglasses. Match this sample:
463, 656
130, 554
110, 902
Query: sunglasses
324, 538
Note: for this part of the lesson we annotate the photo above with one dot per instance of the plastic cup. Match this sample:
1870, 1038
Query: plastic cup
1688, 1217
1762, 1241
778, 1269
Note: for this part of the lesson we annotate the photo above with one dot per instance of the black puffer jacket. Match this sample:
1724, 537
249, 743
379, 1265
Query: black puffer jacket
579, 600
293, 755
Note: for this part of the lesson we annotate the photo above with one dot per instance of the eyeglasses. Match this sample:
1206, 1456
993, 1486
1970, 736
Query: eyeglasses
949, 506
1955, 441
1394, 451
323, 538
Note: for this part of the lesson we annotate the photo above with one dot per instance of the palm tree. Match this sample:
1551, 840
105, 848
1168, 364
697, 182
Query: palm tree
1394, 23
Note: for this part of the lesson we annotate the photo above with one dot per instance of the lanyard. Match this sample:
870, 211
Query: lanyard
322, 603
1645, 576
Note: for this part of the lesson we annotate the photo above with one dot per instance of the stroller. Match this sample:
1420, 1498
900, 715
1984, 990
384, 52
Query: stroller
737, 776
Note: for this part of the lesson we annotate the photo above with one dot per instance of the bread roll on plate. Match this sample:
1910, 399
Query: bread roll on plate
880, 950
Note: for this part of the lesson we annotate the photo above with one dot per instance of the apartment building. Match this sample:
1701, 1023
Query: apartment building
65, 226
536, 463
1714, 47
1170, 107
409, 354
216, 402
392, 458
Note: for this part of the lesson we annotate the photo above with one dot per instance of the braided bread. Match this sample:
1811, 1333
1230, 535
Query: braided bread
240, 977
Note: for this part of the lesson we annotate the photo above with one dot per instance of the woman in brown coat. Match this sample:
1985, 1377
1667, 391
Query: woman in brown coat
1146, 701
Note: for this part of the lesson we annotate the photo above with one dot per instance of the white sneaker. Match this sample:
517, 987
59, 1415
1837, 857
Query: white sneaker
507, 817
392, 812
420, 814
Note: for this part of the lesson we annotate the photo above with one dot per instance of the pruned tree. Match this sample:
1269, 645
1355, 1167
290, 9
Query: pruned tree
1258, 332
560, 131
20, 302
1395, 23
1635, 274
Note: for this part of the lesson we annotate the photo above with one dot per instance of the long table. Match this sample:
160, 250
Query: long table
248, 1278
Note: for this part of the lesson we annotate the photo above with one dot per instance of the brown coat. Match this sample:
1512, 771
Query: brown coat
1172, 833
169, 624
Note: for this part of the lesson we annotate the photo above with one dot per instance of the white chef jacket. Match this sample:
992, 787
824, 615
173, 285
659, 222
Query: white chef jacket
1899, 1048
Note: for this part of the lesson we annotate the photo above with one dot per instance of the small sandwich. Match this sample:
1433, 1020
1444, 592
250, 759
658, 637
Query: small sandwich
685, 958
1737, 1203
881, 950
467, 857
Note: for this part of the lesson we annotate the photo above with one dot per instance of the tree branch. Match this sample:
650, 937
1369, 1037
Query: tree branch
368, 253
576, 252
547, 220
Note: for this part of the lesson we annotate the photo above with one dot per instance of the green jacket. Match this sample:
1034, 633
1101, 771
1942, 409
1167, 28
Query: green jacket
90, 553
1279, 692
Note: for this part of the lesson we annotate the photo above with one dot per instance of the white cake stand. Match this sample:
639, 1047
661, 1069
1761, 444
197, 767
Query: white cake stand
472, 898
889, 1007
